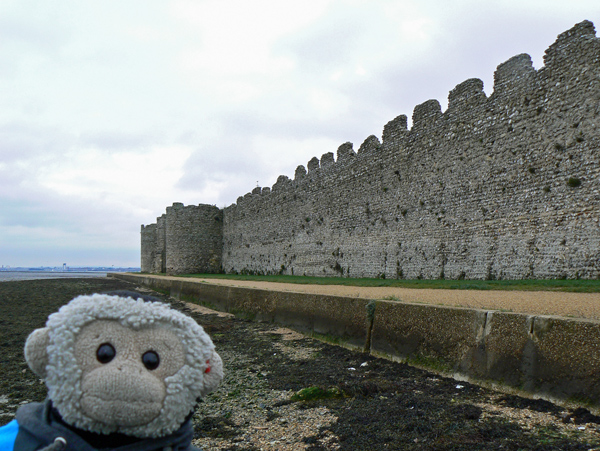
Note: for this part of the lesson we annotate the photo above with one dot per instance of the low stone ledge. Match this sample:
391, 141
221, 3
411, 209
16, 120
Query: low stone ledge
546, 356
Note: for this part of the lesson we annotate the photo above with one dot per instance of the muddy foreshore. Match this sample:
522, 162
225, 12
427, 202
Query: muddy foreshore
347, 400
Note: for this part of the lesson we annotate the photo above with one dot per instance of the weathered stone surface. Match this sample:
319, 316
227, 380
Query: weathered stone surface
505, 186
184, 240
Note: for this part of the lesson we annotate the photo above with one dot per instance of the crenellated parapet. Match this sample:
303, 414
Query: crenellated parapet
300, 173
369, 145
577, 47
327, 160
394, 131
313, 164
466, 97
345, 152
517, 71
498, 186
426, 116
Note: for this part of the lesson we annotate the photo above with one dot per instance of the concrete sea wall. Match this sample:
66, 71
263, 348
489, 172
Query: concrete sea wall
498, 187
542, 355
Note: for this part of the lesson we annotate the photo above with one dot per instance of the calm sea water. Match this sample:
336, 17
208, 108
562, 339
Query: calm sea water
6, 276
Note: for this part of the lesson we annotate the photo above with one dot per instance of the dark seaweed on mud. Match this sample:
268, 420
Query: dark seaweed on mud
381, 404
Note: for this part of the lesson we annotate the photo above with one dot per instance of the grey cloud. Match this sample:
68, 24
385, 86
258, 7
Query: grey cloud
46, 227
235, 163
38, 208
363, 116
328, 43
118, 140
465, 48
34, 32
322, 49
30, 214
22, 140
395, 89
230, 160
40, 34
35, 254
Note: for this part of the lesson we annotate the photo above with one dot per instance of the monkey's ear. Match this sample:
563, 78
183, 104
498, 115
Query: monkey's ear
36, 351
213, 373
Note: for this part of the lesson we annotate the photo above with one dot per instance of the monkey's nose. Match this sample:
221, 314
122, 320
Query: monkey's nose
129, 367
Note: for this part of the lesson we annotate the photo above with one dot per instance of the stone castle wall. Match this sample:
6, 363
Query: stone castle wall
505, 186
185, 239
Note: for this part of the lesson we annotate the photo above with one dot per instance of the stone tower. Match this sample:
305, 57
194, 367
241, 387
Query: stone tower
185, 240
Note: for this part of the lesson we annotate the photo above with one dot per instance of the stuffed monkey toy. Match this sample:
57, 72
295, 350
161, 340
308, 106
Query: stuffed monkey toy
123, 372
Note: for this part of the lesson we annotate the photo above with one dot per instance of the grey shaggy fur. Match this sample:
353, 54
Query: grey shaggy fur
183, 388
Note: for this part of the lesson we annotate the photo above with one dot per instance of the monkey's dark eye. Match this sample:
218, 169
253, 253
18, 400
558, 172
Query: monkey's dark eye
105, 353
151, 360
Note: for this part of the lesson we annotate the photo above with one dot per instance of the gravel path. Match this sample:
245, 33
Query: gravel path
578, 305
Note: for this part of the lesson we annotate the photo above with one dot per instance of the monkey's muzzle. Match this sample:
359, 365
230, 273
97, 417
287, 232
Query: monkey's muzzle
124, 398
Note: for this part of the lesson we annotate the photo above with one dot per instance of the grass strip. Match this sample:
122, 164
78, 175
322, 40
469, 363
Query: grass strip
566, 285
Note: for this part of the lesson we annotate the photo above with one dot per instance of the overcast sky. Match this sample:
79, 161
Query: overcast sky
112, 110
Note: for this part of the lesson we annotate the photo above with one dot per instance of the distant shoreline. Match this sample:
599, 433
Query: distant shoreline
12, 276
77, 269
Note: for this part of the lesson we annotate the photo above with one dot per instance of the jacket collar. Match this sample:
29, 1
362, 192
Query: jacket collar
45, 423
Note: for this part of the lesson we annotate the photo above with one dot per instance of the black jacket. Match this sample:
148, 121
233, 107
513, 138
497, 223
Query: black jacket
40, 425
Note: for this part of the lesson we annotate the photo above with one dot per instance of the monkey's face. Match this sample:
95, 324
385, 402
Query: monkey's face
123, 371
114, 364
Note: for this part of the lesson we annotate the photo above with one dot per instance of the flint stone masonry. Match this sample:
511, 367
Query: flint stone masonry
184, 239
498, 187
